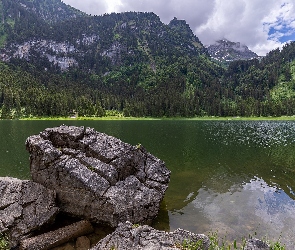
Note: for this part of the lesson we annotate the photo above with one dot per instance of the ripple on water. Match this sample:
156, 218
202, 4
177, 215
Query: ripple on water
261, 133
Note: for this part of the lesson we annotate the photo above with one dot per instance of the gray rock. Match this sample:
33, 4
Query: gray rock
24, 207
227, 51
128, 236
96, 176
256, 244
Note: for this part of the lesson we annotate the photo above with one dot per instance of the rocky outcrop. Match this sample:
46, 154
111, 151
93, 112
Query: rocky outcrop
135, 237
128, 236
24, 207
227, 51
256, 244
96, 176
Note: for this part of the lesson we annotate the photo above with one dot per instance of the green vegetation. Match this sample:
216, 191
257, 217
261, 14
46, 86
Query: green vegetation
189, 245
4, 244
139, 67
135, 225
223, 244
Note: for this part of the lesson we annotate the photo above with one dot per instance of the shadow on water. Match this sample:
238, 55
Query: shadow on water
234, 177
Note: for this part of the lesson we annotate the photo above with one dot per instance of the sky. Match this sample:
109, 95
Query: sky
262, 25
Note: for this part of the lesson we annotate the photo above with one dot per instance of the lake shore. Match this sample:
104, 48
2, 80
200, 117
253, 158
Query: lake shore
203, 118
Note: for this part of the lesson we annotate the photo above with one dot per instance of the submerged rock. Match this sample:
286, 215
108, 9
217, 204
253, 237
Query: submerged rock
25, 206
128, 236
96, 176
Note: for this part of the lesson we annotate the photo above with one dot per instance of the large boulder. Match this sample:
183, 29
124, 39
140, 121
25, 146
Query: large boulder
128, 236
25, 206
96, 176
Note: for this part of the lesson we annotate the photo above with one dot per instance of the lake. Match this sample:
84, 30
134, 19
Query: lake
232, 177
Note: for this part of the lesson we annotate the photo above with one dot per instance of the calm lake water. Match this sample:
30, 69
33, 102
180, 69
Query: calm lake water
234, 177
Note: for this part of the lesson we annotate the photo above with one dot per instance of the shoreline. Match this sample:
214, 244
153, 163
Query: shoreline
122, 118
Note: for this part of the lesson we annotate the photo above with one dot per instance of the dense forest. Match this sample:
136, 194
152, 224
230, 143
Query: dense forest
57, 60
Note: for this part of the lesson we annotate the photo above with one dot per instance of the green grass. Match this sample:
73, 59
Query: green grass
4, 244
216, 244
223, 244
89, 118
190, 245
204, 118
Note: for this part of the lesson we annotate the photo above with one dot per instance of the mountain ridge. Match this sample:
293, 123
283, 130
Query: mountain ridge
117, 38
226, 51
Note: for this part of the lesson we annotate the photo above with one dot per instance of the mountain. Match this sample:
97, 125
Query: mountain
50, 11
227, 51
25, 19
62, 37
130, 62
57, 60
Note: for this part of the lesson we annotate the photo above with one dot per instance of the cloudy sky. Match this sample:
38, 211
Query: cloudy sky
262, 25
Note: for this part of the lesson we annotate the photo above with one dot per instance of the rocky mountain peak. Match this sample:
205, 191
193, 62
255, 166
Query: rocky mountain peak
49, 11
226, 51
181, 26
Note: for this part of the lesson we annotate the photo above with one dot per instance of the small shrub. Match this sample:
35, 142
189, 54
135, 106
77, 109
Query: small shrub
190, 245
4, 244
277, 246
135, 225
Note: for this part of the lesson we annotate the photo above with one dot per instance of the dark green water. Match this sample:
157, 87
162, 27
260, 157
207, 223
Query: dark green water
234, 177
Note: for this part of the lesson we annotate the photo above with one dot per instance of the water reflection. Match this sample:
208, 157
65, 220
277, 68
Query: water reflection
247, 182
253, 207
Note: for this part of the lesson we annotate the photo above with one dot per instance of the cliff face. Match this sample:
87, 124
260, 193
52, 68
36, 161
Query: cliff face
60, 54
227, 51
50, 34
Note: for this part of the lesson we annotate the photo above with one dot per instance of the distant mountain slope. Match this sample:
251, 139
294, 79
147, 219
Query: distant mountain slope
24, 19
50, 11
99, 43
227, 51
56, 59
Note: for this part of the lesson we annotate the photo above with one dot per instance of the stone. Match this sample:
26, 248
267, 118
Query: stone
82, 243
256, 244
135, 237
57, 237
25, 206
96, 176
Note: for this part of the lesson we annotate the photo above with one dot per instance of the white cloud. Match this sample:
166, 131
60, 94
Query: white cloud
246, 21
114, 5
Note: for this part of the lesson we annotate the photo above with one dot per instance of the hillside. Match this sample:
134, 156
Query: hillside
56, 59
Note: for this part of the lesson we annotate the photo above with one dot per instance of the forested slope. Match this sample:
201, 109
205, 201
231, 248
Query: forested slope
56, 59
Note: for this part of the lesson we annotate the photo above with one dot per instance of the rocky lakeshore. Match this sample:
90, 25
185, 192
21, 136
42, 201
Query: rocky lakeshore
92, 179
